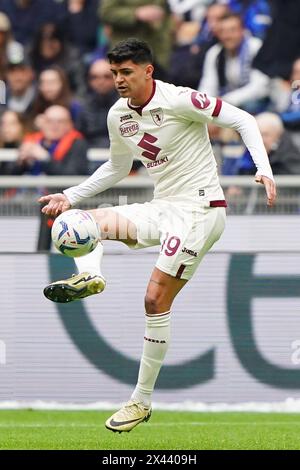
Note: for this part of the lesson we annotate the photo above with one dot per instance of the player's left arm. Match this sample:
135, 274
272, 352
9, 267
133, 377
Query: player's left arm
199, 107
245, 124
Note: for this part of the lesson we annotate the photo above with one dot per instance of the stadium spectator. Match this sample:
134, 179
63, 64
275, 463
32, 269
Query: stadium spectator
228, 68
282, 42
10, 50
210, 26
54, 88
50, 48
192, 53
12, 129
78, 13
21, 88
27, 16
283, 155
290, 114
101, 96
150, 21
58, 149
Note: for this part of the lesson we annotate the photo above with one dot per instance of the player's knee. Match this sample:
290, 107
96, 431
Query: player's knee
107, 222
98, 214
153, 304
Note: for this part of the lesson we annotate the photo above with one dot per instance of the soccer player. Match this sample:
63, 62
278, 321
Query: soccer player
166, 128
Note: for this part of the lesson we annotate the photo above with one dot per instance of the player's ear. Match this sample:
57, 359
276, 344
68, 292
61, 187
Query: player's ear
149, 70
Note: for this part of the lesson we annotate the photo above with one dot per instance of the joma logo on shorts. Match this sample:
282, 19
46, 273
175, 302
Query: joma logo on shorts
189, 252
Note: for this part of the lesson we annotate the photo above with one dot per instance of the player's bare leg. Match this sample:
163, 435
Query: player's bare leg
89, 279
161, 291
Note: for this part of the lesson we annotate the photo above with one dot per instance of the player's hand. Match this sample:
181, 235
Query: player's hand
54, 204
270, 188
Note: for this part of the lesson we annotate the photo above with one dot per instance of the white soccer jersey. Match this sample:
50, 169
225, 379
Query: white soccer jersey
169, 135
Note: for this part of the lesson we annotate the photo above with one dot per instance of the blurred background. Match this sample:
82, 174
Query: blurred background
236, 327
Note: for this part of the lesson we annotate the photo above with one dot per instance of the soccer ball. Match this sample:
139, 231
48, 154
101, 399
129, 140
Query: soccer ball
75, 233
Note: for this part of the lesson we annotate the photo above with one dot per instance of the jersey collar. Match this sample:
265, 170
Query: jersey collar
139, 109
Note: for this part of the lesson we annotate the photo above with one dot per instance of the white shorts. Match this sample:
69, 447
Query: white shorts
185, 232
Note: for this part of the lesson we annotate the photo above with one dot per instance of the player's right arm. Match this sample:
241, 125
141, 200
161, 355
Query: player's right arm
108, 174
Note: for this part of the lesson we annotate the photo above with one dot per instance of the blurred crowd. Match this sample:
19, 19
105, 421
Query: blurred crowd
57, 88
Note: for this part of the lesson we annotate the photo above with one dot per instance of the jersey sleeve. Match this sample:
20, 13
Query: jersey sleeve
245, 124
118, 148
108, 174
197, 106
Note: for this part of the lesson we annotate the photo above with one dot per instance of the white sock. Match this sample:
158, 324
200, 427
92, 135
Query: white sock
156, 342
91, 262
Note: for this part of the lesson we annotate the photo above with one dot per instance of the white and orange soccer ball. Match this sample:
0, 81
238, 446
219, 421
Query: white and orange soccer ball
75, 233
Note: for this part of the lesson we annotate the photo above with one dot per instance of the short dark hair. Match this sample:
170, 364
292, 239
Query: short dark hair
230, 15
131, 49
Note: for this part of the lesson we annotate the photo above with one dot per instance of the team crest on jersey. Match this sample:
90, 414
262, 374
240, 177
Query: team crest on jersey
200, 100
128, 129
157, 115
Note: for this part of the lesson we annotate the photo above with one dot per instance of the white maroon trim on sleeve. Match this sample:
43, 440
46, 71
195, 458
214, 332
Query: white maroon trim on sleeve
218, 108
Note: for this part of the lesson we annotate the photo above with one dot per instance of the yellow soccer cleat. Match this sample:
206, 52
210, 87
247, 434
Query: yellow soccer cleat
129, 416
75, 288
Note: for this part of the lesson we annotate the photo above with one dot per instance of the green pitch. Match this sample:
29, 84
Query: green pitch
165, 430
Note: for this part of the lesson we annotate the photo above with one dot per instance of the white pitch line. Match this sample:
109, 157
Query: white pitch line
83, 425
290, 405
40, 425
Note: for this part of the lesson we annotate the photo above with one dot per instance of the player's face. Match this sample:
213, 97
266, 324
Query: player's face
132, 80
